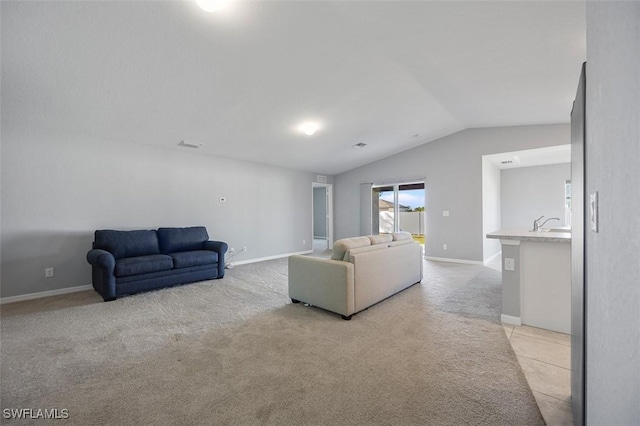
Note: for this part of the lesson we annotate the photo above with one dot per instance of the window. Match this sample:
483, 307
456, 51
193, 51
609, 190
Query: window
399, 207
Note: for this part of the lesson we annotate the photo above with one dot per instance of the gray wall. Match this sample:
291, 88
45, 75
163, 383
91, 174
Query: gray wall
613, 254
58, 188
511, 287
452, 167
530, 192
320, 212
491, 201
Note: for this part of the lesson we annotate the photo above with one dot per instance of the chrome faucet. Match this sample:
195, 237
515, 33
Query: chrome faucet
537, 225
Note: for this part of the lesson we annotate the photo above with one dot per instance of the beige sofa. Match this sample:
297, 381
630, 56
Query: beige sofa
361, 272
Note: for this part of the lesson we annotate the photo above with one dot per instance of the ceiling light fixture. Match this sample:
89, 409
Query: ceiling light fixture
308, 128
190, 144
359, 145
211, 5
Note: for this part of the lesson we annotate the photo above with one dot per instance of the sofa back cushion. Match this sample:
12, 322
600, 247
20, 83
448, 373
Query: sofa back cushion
341, 246
380, 239
175, 240
401, 236
402, 242
127, 243
348, 256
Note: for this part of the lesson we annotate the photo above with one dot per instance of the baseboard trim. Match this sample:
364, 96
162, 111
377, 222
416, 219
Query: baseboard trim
262, 259
490, 259
508, 319
451, 260
41, 294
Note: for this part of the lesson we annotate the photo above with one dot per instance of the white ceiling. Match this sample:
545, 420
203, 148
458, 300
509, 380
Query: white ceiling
240, 82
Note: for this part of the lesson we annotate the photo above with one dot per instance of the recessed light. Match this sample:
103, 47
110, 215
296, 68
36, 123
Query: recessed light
359, 145
211, 5
308, 128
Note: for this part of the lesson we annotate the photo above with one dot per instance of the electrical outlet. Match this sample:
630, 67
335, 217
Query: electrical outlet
231, 250
304, 242
509, 264
244, 248
444, 247
445, 212
48, 272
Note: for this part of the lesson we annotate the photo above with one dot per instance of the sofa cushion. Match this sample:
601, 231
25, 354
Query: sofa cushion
174, 240
142, 265
348, 256
341, 246
186, 259
123, 244
380, 239
399, 236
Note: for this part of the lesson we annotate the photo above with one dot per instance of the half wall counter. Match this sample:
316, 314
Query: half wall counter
536, 277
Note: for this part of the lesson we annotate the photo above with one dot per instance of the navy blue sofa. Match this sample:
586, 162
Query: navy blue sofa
127, 262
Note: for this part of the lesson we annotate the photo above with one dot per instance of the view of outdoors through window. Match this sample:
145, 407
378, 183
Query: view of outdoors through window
400, 208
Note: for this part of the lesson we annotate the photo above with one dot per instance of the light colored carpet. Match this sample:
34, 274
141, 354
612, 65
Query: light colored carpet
236, 351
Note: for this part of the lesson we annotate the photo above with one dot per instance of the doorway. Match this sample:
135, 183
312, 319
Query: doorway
322, 217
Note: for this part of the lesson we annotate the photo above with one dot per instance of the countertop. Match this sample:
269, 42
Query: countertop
525, 234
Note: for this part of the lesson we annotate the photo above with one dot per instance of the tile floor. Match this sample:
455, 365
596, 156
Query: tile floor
545, 358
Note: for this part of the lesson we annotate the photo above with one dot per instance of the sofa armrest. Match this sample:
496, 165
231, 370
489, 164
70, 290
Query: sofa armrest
102, 259
325, 283
103, 265
219, 247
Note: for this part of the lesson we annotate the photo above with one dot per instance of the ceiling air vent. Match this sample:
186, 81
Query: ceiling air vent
359, 145
190, 144
514, 161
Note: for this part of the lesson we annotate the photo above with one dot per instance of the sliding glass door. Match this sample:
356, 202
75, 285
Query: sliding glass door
399, 207
384, 205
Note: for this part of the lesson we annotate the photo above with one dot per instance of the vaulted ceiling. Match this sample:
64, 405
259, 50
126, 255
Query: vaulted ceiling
391, 74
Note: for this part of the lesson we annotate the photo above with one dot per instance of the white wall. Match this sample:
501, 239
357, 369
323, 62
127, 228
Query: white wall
452, 167
530, 192
613, 254
491, 200
58, 188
